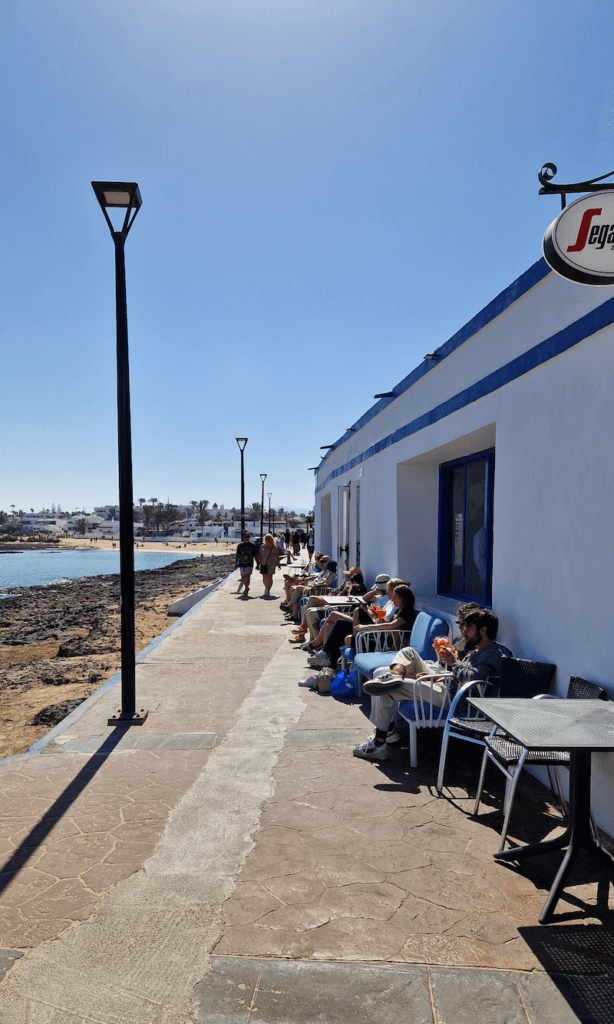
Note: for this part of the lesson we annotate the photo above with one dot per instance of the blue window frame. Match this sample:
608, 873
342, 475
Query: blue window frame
466, 488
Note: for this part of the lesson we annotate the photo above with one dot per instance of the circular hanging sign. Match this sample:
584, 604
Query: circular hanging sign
579, 244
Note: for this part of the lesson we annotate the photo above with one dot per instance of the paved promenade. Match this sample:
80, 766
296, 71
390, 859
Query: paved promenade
230, 862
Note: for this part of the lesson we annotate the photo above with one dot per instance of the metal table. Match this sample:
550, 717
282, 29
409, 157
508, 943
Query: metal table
577, 726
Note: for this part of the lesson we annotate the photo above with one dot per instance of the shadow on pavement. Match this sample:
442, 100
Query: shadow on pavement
59, 807
580, 962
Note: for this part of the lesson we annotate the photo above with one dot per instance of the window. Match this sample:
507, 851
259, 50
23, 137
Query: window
465, 527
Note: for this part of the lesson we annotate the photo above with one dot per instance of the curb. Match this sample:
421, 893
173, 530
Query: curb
110, 683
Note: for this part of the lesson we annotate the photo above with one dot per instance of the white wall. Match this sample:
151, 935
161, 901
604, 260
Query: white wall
552, 430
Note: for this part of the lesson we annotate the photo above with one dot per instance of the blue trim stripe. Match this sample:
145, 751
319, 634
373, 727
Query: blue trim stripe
536, 273
572, 335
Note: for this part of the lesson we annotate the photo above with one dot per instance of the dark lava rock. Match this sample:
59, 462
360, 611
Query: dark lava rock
54, 713
38, 614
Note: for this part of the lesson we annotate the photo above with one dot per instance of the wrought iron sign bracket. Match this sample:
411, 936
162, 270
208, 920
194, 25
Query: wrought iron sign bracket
546, 174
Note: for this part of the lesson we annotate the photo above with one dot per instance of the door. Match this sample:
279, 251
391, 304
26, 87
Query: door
343, 530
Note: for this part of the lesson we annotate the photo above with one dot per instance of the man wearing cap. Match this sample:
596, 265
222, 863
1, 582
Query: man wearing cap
325, 579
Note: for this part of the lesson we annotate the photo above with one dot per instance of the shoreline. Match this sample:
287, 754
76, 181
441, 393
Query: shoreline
60, 641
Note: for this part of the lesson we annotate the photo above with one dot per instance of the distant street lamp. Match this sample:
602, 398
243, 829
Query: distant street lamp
123, 195
242, 441
263, 478
270, 494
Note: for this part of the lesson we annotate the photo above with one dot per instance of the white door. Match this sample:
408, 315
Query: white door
343, 530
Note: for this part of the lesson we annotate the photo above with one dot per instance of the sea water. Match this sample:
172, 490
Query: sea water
36, 568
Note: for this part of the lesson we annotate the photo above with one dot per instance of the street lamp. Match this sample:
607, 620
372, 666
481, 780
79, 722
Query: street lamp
123, 195
242, 441
270, 494
263, 478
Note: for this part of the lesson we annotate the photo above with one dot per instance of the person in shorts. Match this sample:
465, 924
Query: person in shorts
245, 556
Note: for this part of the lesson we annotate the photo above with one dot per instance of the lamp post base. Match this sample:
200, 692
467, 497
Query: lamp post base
119, 718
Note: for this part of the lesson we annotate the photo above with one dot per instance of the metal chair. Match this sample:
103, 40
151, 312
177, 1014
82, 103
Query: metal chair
425, 711
519, 678
422, 711
511, 757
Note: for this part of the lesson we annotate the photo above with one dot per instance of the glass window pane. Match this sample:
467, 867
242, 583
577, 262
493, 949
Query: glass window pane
455, 529
474, 529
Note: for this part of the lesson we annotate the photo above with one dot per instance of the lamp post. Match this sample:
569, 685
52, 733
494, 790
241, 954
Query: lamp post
242, 441
263, 478
124, 196
270, 494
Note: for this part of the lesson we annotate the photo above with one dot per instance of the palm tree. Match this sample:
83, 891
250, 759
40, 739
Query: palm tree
201, 512
147, 511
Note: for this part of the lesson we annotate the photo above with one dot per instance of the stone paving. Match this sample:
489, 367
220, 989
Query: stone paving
230, 861
365, 859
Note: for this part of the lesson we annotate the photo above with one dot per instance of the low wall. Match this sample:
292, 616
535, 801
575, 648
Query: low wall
183, 604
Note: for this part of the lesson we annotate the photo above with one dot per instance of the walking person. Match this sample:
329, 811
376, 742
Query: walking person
310, 544
268, 560
245, 556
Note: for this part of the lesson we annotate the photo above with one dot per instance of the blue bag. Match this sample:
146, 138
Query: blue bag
343, 685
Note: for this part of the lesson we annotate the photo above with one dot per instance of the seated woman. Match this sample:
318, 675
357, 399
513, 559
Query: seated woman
403, 619
404, 602
363, 614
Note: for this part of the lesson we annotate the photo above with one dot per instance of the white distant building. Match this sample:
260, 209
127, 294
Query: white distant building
488, 476
46, 522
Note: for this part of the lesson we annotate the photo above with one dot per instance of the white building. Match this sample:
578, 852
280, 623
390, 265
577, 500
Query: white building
488, 476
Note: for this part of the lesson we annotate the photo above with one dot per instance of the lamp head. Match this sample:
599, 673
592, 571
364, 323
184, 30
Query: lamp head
241, 441
263, 477
118, 195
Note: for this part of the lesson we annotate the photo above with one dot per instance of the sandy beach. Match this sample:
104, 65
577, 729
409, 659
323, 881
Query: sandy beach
204, 547
59, 643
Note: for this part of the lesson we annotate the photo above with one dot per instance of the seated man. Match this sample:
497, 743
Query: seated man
482, 659
293, 581
324, 579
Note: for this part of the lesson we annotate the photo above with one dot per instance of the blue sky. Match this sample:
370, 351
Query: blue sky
331, 188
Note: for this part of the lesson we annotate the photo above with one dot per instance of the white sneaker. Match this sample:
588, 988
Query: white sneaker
371, 751
310, 681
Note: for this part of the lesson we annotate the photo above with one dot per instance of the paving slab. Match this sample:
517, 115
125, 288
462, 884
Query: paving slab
230, 857
237, 991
